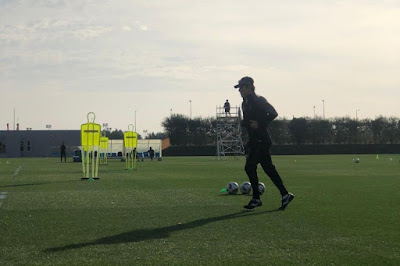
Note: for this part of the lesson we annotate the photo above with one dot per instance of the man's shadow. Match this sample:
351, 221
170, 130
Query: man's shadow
156, 233
40, 183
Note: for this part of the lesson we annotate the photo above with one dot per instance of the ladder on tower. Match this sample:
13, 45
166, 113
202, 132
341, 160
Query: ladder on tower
229, 132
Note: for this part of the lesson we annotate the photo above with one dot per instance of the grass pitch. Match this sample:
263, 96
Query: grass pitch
172, 212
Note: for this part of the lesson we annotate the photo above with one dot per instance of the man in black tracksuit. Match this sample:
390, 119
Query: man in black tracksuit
257, 114
63, 153
151, 153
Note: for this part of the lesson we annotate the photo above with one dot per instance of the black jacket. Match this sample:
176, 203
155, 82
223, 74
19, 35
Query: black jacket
257, 108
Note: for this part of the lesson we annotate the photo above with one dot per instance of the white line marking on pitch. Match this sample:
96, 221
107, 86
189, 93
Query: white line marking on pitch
17, 170
2, 196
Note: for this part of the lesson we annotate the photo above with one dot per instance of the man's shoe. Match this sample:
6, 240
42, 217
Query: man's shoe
253, 203
286, 200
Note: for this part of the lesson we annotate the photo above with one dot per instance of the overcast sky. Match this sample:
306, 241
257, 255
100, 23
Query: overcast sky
60, 59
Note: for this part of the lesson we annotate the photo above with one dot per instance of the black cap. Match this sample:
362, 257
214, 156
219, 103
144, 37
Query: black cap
244, 81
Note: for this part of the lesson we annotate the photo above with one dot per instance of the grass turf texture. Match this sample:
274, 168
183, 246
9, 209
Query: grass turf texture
171, 212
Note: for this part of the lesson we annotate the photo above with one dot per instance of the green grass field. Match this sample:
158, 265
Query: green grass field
172, 212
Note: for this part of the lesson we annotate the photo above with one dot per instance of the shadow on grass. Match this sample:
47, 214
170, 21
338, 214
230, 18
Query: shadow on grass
40, 183
235, 195
156, 233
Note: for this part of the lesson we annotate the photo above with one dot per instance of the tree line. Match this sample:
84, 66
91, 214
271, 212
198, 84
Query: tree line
182, 130
119, 134
342, 130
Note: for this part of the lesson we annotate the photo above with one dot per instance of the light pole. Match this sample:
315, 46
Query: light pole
323, 109
357, 113
314, 111
190, 101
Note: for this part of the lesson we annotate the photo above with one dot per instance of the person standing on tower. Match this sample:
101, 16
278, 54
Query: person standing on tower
227, 107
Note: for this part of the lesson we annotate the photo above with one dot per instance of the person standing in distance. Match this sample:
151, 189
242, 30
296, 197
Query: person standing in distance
257, 114
63, 153
151, 153
227, 107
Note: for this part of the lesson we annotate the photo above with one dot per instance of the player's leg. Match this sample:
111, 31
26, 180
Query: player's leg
251, 171
273, 174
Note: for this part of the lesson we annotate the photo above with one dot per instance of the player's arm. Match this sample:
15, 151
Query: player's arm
267, 113
245, 123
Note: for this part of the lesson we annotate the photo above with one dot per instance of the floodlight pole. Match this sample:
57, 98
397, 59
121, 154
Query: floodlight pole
357, 113
323, 108
190, 101
314, 111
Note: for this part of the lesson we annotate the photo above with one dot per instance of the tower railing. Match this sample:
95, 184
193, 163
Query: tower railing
229, 132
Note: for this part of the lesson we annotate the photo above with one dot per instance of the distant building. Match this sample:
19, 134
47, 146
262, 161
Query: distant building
46, 143
38, 143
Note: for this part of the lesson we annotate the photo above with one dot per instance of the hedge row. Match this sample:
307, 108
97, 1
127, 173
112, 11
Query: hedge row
294, 149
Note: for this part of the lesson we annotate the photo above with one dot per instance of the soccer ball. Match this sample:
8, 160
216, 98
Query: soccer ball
261, 188
232, 187
245, 187
356, 160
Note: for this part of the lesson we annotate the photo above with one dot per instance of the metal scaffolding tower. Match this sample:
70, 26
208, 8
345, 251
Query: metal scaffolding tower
229, 132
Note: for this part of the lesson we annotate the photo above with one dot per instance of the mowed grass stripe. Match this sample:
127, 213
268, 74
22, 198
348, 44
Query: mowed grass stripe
171, 212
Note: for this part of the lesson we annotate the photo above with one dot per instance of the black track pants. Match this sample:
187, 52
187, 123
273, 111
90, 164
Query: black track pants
63, 155
260, 155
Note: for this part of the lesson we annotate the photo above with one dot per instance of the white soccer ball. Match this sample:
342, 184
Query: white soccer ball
232, 187
261, 188
245, 187
356, 160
